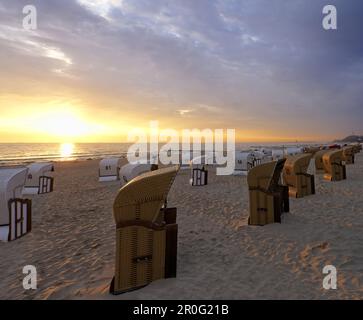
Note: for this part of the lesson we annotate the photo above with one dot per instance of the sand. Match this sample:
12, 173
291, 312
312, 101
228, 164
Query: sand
72, 243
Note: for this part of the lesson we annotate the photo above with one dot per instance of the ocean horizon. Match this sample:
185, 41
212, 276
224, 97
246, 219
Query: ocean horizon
23, 153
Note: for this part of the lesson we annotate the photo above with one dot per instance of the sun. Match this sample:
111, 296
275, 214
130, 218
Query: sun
66, 150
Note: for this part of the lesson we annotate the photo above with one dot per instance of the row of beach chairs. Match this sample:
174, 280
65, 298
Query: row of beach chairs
271, 184
146, 229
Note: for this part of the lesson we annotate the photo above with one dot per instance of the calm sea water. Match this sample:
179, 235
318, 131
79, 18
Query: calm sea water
19, 153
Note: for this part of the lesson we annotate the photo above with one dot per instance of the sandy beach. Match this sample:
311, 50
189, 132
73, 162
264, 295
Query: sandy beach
72, 243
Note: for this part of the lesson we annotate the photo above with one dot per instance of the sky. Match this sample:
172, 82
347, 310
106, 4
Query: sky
94, 70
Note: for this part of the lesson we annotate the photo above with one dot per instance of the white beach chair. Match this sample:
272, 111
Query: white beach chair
244, 162
39, 179
15, 212
199, 171
130, 171
109, 169
293, 151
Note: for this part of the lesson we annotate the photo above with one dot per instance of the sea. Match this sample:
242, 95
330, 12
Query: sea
25, 153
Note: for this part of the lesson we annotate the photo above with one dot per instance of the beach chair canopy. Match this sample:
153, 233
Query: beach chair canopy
290, 151
265, 151
311, 149
37, 170
130, 171
319, 159
265, 176
109, 168
143, 197
332, 157
356, 147
297, 164
261, 157
348, 150
278, 154
11, 185
244, 160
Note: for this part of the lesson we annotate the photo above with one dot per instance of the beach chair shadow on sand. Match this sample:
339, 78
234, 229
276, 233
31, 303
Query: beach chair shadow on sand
268, 198
146, 231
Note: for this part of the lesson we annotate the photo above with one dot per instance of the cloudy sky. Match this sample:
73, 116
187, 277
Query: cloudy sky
94, 69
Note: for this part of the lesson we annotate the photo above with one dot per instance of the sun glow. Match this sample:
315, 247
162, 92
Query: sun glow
66, 150
53, 121
64, 123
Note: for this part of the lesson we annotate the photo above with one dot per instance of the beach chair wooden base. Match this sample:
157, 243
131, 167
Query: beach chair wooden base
145, 251
266, 207
20, 217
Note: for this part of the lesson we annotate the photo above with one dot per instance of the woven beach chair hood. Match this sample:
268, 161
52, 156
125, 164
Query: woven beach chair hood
143, 197
265, 176
298, 163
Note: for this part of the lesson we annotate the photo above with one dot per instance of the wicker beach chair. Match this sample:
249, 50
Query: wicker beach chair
358, 147
348, 154
295, 175
312, 150
268, 198
334, 168
319, 165
146, 231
